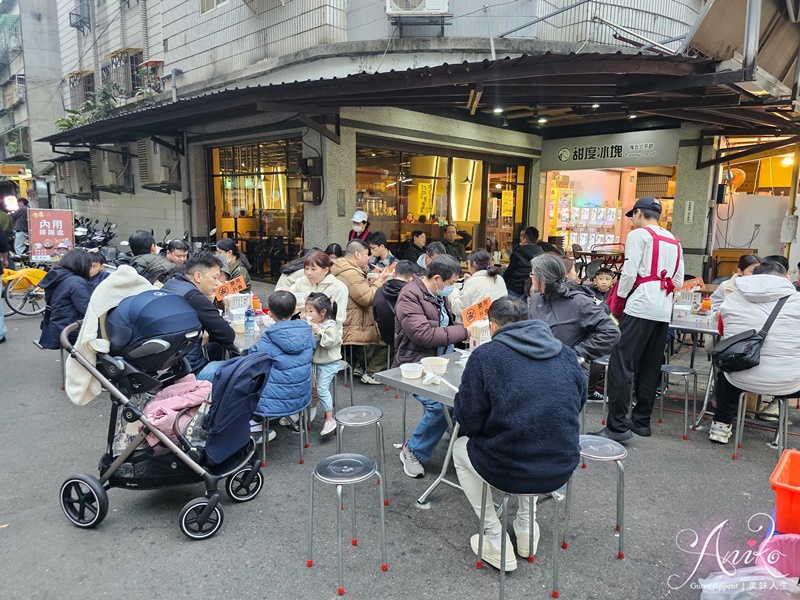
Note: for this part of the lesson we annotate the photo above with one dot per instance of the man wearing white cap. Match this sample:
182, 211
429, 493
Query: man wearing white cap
360, 229
653, 269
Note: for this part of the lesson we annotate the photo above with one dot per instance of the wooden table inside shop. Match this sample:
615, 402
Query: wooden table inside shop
441, 393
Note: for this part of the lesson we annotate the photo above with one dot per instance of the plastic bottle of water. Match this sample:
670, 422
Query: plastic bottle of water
249, 322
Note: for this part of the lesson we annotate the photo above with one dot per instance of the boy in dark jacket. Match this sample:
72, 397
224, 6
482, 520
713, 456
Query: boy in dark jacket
602, 281
425, 326
291, 345
520, 438
386, 298
519, 266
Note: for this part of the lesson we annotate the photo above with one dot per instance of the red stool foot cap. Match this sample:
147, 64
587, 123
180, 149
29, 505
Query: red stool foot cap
310, 563
583, 466
478, 564
355, 542
555, 593
564, 545
617, 527
686, 437
384, 567
660, 421
739, 445
386, 503
530, 559
603, 422
734, 457
341, 591
621, 555
302, 461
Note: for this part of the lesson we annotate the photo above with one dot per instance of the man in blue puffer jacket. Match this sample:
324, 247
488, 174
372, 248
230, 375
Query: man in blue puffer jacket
518, 404
291, 345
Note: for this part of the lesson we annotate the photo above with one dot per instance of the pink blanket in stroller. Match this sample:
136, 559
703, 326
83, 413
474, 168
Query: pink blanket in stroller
162, 411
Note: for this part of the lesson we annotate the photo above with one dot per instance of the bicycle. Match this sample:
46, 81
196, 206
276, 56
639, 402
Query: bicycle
22, 293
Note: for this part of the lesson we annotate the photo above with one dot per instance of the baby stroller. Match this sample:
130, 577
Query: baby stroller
149, 336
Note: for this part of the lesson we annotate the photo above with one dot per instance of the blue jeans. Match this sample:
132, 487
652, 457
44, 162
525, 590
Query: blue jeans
430, 429
207, 372
19, 242
3, 329
325, 374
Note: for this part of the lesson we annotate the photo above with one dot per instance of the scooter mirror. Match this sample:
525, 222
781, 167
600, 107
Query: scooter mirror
113, 226
212, 232
198, 245
124, 243
168, 232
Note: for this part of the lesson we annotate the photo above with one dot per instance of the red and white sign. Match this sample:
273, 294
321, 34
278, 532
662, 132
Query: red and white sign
50, 233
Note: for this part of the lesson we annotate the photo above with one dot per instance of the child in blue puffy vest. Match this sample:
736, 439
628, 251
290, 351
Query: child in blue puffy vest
291, 345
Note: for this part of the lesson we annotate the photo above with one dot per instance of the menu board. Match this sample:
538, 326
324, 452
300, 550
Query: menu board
51, 234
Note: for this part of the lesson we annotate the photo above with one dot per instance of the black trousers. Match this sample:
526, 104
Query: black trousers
726, 403
637, 357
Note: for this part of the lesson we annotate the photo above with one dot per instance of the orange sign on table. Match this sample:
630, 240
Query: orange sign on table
691, 285
234, 286
476, 312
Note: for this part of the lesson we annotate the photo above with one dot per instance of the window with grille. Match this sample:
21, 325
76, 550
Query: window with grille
208, 5
80, 86
123, 71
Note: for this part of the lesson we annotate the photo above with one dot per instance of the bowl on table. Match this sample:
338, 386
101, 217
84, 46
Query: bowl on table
436, 364
411, 371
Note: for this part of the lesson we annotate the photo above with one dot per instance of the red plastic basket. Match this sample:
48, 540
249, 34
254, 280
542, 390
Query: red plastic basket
785, 482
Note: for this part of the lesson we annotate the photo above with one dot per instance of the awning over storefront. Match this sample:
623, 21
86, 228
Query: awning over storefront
533, 93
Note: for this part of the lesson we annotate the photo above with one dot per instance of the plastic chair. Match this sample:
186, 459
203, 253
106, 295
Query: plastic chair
601, 449
685, 372
341, 470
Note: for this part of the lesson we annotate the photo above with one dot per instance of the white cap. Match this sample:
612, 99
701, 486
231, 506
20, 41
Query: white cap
360, 216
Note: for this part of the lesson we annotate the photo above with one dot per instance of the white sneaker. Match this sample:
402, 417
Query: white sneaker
330, 426
491, 552
286, 422
312, 414
770, 411
370, 380
524, 540
411, 465
256, 426
719, 432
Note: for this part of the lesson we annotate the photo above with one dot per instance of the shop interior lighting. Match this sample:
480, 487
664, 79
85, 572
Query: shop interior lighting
787, 161
632, 116
498, 110
542, 120
595, 106
498, 186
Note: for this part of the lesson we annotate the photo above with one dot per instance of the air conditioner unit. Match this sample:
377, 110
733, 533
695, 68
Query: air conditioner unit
110, 171
412, 8
74, 179
158, 166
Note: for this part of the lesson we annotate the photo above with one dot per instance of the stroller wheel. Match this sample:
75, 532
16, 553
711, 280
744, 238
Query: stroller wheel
84, 500
190, 522
239, 490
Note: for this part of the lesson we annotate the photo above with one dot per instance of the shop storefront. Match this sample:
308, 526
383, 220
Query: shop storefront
589, 183
408, 187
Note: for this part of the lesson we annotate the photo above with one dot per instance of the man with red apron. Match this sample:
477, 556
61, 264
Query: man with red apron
643, 299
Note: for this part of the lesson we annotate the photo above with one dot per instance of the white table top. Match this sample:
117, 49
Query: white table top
440, 393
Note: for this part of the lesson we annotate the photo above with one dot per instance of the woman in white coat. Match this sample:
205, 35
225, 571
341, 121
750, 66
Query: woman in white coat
317, 278
484, 282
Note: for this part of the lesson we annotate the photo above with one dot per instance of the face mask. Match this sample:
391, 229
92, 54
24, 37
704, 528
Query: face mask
358, 228
444, 293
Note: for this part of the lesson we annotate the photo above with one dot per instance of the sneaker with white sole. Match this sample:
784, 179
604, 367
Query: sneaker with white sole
719, 432
411, 464
329, 427
524, 539
312, 414
358, 372
370, 380
595, 397
491, 553
770, 411
256, 426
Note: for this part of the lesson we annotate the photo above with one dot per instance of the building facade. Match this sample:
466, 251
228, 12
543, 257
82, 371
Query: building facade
260, 127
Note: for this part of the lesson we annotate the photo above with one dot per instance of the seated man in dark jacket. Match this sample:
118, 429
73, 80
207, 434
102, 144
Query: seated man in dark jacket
519, 266
386, 298
197, 286
456, 248
520, 438
425, 326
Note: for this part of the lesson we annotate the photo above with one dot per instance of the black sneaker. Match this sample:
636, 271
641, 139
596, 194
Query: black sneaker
617, 436
594, 397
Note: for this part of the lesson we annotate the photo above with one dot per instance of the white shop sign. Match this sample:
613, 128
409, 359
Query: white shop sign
633, 149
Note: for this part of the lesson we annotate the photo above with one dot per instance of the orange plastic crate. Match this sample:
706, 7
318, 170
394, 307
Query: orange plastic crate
785, 482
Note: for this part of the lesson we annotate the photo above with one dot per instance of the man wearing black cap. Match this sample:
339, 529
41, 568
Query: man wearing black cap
653, 269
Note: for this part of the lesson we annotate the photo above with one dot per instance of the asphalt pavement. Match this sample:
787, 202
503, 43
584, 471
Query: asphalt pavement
678, 496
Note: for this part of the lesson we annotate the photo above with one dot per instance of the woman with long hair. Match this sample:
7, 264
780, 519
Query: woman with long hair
66, 294
236, 261
744, 267
317, 278
484, 282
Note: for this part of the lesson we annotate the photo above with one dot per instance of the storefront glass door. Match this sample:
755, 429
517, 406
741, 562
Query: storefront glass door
503, 209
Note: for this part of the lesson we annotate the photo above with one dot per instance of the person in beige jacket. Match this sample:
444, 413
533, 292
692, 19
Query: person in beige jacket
483, 283
360, 328
317, 277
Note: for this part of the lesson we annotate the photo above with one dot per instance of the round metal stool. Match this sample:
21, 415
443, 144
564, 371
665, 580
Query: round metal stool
341, 470
362, 416
685, 372
601, 449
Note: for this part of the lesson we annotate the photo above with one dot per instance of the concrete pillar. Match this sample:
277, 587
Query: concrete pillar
330, 221
537, 205
695, 186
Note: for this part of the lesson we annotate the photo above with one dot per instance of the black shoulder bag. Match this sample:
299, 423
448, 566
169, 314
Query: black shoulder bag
743, 350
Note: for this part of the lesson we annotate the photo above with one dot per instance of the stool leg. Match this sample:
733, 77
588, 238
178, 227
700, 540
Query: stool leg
264, 436
339, 431
583, 419
503, 536
739, 425
382, 488
479, 562
694, 404
556, 527
310, 561
339, 509
351, 385
605, 395
333, 390
685, 407
63, 369
567, 514
664, 380
353, 524
621, 508
303, 432
381, 459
